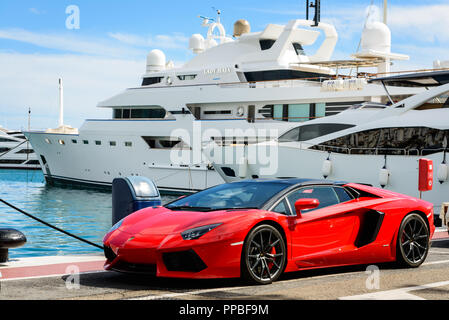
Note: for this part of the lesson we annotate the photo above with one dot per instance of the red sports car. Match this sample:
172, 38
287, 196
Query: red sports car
259, 229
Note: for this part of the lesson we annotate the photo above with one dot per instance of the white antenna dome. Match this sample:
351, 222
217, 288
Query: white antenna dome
156, 61
376, 37
196, 43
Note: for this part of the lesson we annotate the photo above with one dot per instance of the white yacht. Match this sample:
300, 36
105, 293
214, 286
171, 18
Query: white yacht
252, 86
16, 151
369, 143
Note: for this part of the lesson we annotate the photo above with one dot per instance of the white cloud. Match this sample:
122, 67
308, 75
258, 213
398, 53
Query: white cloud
174, 41
70, 43
37, 11
31, 80
428, 23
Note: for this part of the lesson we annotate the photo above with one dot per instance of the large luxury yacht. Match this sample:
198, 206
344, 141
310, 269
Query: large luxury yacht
16, 151
252, 86
371, 143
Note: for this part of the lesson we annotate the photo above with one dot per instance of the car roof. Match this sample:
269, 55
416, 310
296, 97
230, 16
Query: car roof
295, 181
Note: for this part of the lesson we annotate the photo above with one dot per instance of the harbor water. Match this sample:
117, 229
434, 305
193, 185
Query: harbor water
85, 213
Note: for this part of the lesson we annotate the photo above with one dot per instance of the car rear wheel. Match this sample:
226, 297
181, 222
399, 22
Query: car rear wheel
264, 255
413, 241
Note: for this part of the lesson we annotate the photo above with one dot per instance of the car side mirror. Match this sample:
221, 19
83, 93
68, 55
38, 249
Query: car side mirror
306, 204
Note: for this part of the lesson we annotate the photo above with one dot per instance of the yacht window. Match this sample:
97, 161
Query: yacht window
394, 141
165, 143
299, 49
4, 150
128, 144
284, 74
26, 151
118, 114
74, 141
33, 162
85, 141
151, 80
267, 111
140, 113
266, 44
112, 143
126, 113
98, 143
217, 112
6, 140
61, 142
148, 113
312, 131
187, 77
11, 161
47, 140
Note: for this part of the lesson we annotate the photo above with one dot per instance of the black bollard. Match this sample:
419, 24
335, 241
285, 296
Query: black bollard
10, 238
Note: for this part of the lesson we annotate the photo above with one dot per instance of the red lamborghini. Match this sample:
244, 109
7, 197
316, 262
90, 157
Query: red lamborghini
259, 229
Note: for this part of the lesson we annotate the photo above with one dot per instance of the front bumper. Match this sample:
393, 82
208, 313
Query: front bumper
172, 256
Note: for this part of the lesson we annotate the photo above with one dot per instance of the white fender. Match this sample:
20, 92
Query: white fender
243, 167
384, 177
442, 172
326, 169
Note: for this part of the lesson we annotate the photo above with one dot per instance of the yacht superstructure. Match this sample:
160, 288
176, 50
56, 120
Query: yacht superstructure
16, 151
252, 87
370, 143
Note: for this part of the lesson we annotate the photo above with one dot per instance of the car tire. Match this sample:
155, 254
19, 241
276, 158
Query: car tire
264, 255
413, 242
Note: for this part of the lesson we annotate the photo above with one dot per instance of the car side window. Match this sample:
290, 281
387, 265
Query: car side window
325, 195
282, 208
342, 194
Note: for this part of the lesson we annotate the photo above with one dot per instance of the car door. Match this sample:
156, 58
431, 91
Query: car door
320, 235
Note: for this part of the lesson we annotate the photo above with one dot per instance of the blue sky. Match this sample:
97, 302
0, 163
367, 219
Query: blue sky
107, 53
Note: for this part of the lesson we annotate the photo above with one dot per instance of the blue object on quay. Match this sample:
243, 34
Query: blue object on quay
131, 194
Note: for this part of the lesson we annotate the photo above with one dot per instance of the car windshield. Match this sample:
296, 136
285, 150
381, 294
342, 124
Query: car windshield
237, 195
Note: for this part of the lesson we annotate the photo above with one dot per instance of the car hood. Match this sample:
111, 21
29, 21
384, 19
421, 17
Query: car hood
163, 221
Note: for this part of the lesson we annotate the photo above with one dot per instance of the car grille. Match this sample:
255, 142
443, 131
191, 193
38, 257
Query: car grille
123, 266
184, 261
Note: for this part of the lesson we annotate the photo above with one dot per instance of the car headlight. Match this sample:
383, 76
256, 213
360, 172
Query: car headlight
116, 226
196, 233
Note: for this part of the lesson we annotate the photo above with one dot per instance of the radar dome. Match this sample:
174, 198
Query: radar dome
155, 61
241, 26
376, 36
196, 43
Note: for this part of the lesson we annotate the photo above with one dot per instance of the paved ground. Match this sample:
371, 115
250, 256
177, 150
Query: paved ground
430, 281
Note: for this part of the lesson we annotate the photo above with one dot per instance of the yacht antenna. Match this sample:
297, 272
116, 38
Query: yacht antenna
317, 6
385, 11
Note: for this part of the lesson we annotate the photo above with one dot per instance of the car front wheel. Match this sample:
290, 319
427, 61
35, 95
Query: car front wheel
264, 255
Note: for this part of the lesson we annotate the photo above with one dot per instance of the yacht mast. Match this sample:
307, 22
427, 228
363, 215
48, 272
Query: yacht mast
61, 104
385, 11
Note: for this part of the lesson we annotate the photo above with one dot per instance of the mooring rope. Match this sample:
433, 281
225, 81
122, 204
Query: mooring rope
51, 226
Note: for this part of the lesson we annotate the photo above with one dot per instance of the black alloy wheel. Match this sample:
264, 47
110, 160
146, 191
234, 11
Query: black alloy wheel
264, 255
413, 241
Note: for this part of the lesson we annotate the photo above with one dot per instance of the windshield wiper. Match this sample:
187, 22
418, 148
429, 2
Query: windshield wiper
234, 208
188, 208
